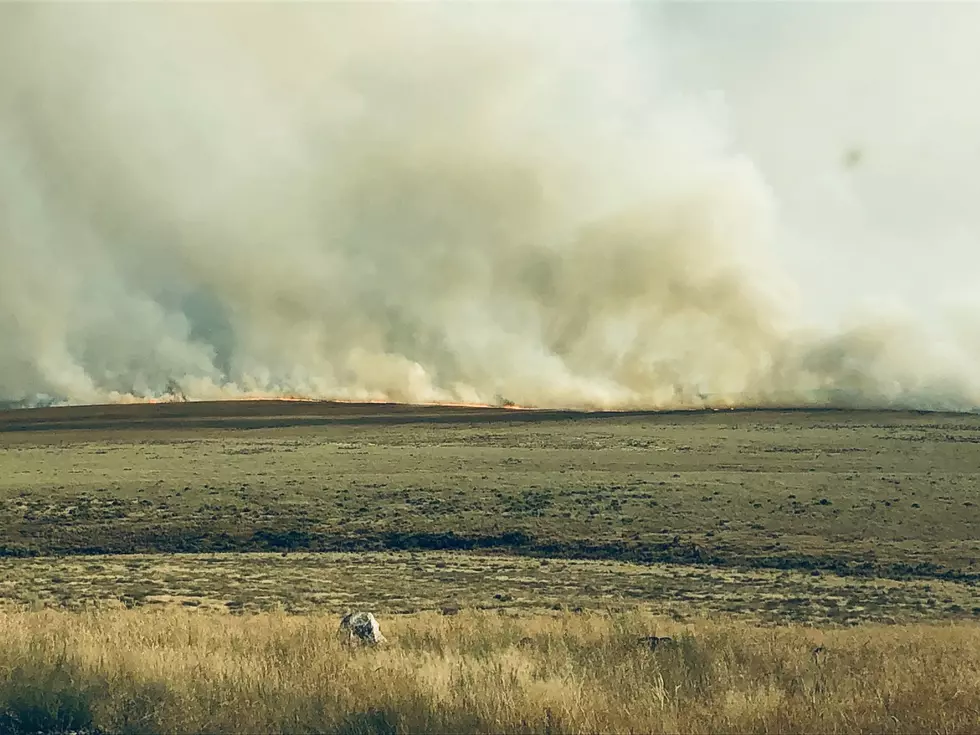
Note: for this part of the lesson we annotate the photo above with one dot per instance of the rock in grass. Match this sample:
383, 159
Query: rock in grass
361, 627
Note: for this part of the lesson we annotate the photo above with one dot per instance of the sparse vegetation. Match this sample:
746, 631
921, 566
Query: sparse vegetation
400, 582
816, 571
855, 493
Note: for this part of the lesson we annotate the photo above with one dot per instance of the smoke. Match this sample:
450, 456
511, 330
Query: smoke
418, 203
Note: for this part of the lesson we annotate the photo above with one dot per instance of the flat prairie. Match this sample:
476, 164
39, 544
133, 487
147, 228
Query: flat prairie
817, 570
887, 494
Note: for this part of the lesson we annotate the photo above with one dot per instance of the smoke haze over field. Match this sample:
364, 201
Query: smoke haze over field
588, 205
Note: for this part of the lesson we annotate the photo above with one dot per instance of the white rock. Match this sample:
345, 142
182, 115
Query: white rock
361, 627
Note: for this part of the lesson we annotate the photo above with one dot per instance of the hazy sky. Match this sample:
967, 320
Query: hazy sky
564, 204
805, 82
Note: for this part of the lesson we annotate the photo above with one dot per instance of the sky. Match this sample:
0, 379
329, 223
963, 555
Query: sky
804, 84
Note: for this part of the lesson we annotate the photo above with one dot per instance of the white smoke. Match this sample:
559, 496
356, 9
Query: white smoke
422, 203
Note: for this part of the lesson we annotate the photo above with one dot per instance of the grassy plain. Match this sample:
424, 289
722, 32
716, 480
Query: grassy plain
872, 493
398, 583
153, 560
178, 672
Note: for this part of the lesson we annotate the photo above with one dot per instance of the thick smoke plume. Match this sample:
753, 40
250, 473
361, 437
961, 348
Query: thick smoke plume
419, 203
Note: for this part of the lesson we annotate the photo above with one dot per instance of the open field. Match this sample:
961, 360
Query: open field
405, 582
179, 568
188, 672
857, 493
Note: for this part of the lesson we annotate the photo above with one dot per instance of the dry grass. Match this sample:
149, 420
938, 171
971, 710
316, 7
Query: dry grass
180, 671
406, 582
841, 520
858, 493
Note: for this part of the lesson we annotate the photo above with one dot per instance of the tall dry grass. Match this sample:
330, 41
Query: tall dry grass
173, 671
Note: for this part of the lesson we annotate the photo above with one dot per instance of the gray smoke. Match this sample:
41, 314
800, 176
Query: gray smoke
420, 203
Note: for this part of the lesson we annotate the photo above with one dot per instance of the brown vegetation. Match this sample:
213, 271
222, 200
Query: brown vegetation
525, 528
189, 672
407, 582
860, 494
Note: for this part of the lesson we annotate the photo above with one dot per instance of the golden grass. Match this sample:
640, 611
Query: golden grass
178, 671
404, 582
